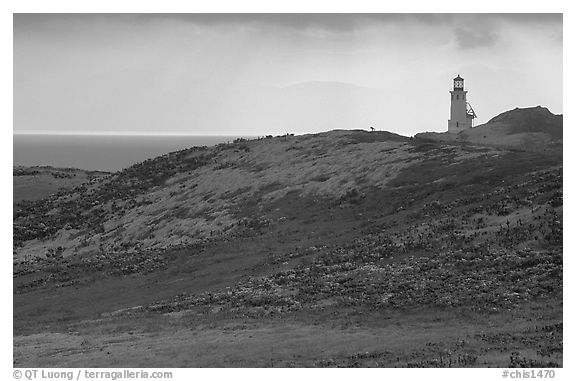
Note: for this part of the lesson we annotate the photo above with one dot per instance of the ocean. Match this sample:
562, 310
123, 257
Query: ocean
101, 152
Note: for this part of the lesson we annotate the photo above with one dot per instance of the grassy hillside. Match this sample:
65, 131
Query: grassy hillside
533, 128
194, 195
35, 183
345, 248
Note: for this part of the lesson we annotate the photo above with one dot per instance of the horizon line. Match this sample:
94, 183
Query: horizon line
118, 133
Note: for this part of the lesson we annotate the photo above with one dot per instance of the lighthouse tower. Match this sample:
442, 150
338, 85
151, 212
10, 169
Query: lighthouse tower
461, 113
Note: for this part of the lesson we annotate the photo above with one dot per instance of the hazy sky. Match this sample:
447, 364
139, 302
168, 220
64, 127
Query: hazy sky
256, 74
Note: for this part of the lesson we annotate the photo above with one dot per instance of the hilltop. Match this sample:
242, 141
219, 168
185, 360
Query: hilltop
345, 248
534, 128
203, 193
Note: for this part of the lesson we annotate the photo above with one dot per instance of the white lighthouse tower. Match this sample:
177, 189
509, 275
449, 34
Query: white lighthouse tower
461, 113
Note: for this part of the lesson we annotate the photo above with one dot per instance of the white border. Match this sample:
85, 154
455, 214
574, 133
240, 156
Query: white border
297, 6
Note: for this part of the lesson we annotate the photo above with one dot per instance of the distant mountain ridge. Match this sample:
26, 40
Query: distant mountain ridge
533, 128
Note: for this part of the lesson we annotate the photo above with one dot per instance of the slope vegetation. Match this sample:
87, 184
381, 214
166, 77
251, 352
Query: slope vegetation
346, 248
35, 183
534, 128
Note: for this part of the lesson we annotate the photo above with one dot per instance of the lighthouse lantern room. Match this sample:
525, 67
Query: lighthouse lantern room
461, 113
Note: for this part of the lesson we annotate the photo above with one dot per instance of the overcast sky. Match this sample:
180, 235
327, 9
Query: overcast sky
257, 74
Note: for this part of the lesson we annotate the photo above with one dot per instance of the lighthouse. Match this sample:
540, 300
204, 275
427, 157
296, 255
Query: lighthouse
461, 113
